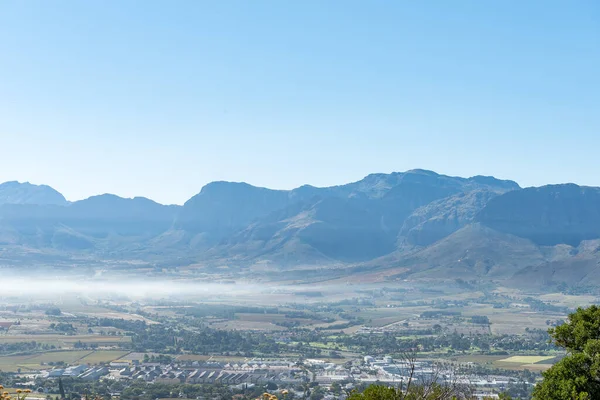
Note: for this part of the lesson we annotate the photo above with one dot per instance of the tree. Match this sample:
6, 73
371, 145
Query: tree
577, 376
61, 389
336, 388
377, 392
581, 327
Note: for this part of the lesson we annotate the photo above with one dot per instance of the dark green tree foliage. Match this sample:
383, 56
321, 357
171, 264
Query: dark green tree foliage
416, 392
61, 389
433, 392
480, 319
159, 338
581, 327
577, 376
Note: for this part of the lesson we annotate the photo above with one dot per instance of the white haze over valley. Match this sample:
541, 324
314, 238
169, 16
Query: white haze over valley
137, 289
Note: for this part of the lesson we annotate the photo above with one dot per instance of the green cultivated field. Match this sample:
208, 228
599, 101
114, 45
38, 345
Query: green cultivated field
526, 359
39, 361
54, 356
532, 363
103, 356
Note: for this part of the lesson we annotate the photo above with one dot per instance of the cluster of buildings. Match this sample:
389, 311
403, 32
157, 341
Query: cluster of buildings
228, 374
80, 371
252, 372
369, 370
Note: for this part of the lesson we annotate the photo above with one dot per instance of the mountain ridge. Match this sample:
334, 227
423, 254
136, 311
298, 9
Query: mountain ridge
428, 225
14, 192
490, 180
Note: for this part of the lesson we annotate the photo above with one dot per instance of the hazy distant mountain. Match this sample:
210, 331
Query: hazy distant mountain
573, 266
440, 218
222, 208
421, 224
547, 215
347, 223
472, 252
26, 193
100, 223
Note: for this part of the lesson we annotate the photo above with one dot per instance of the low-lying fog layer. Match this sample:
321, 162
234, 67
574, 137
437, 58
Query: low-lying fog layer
139, 288
150, 289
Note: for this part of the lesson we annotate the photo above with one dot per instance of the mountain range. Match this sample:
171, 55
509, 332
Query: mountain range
404, 225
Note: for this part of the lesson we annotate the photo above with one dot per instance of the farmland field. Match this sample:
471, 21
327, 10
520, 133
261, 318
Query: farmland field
13, 363
34, 362
526, 359
255, 317
478, 358
532, 363
103, 356
54, 356
247, 325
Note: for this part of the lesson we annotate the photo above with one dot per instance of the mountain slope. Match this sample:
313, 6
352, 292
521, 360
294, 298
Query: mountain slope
321, 230
222, 208
474, 251
349, 223
440, 218
547, 215
94, 223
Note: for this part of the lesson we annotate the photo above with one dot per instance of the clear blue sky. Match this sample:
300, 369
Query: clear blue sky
158, 98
